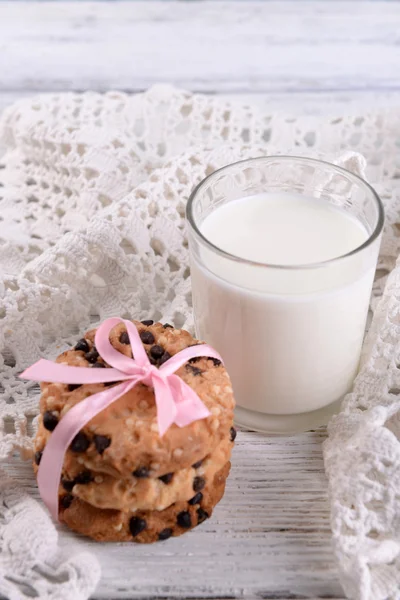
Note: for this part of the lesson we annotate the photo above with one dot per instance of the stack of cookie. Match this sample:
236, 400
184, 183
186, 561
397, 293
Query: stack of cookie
121, 481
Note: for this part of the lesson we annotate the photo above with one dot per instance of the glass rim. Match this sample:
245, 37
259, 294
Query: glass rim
285, 157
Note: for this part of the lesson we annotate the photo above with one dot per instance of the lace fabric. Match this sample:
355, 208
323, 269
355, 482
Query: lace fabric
31, 562
93, 193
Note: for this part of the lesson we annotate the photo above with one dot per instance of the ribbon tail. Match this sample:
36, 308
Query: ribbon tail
78, 416
46, 370
189, 406
166, 406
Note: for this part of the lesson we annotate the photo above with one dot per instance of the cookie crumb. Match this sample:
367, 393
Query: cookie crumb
50, 400
215, 424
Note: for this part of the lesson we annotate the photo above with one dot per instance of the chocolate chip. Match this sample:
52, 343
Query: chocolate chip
101, 442
156, 351
147, 322
124, 338
165, 534
153, 361
216, 361
141, 473
84, 478
67, 484
167, 325
166, 478
82, 345
50, 420
38, 457
198, 484
98, 365
74, 386
233, 433
202, 515
194, 359
107, 383
66, 500
193, 370
136, 526
80, 443
147, 337
197, 464
184, 519
166, 356
196, 499
92, 356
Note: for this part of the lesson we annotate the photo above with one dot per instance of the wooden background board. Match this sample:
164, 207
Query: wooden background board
223, 46
270, 537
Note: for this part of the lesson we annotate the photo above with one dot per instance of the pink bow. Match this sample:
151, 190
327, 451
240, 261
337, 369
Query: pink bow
176, 401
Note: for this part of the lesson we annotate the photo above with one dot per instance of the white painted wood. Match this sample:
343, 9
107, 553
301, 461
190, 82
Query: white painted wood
269, 537
251, 46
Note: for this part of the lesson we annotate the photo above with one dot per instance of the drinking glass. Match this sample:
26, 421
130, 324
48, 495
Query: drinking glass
290, 335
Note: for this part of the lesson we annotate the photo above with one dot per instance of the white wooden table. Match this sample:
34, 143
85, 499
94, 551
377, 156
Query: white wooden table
270, 537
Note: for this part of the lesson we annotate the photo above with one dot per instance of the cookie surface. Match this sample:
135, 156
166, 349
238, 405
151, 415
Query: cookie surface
142, 526
124, 439
144, 493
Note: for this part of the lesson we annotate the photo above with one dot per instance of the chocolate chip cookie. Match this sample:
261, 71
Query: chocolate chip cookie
123, 439
143, 526
120, 480
141, 492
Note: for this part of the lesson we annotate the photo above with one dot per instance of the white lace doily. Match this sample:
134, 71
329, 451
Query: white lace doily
93, 193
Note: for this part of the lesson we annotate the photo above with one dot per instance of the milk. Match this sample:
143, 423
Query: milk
290, 337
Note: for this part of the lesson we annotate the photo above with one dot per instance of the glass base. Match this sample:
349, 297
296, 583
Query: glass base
284, 424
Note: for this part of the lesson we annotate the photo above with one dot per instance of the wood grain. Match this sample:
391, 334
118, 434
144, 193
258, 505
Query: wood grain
269, 537
219, 46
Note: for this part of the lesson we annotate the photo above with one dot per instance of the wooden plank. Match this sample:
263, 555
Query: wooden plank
211, 46
270, 536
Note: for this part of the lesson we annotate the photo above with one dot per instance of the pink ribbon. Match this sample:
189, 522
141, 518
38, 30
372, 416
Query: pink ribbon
176, 401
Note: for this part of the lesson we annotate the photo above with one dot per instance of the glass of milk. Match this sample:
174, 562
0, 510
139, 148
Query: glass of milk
283, 254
